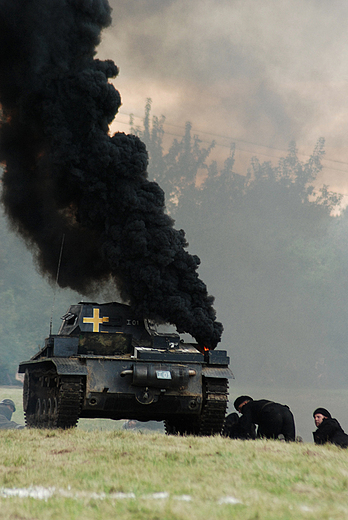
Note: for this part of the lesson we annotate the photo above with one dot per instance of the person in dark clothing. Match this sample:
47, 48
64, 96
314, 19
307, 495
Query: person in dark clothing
273, 419
231, 426
328, 429
7, 407
233, 430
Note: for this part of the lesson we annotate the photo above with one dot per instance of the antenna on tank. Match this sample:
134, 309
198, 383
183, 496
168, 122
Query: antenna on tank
56, 284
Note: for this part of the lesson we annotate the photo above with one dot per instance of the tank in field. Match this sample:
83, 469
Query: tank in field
104, 363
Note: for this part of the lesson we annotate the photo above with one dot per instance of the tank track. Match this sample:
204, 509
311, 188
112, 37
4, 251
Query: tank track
214, 406
52, 401
212, 418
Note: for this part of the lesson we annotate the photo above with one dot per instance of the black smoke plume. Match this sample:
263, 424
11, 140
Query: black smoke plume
65, 176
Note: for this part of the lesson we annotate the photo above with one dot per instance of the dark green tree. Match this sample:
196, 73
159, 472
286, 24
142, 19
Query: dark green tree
270, 255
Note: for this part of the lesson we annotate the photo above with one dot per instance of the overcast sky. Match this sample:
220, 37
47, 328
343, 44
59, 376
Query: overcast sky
260, 73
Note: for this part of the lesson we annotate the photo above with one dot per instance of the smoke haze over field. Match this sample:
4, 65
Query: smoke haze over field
262, 72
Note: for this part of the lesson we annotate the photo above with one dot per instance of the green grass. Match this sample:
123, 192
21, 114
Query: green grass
116, 474
105, 473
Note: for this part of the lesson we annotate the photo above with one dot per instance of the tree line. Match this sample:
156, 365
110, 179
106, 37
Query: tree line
274, 254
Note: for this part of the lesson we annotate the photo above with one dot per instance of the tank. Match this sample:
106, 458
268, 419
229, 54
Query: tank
105, 363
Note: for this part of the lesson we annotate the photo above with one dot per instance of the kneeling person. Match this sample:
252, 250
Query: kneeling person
328, 429
273, 419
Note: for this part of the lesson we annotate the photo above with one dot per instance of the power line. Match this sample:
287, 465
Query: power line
236, 140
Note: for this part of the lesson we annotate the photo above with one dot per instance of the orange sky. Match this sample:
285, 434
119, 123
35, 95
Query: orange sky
259, 74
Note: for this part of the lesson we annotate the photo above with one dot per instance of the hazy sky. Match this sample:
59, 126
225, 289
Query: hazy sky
259, 73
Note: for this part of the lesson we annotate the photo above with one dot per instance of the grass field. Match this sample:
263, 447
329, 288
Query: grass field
106, 473
123, 474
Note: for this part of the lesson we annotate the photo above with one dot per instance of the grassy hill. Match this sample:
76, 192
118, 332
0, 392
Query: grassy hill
107, 474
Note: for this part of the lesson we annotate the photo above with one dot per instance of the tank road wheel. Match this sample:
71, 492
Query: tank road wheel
68, 402
44, 413
26, 391
50, 401
38, 410
52, 412
29, 400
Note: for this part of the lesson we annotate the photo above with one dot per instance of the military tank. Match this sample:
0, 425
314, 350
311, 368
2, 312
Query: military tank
105, 363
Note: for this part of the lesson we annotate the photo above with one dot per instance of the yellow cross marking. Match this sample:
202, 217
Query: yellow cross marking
95, 320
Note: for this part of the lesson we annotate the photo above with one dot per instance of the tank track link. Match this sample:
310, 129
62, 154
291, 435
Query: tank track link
214, 406
212, 418
52, 401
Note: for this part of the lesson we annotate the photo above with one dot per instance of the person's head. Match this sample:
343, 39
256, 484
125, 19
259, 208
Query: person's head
9, 404
319, 415
241, 401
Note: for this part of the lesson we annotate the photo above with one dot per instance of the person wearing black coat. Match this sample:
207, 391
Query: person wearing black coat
273, 419
328, 429
233, 429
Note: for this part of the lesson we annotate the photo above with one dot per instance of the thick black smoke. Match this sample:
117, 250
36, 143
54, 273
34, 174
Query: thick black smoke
66, 176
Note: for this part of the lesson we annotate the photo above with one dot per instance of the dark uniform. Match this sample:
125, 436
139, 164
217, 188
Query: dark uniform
233, 429
6, 414
273, 419
329, 431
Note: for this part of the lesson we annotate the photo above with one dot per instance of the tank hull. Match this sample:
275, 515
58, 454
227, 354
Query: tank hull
117, 376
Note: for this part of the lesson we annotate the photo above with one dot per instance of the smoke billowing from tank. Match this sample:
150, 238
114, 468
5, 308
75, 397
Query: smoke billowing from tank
66, 176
